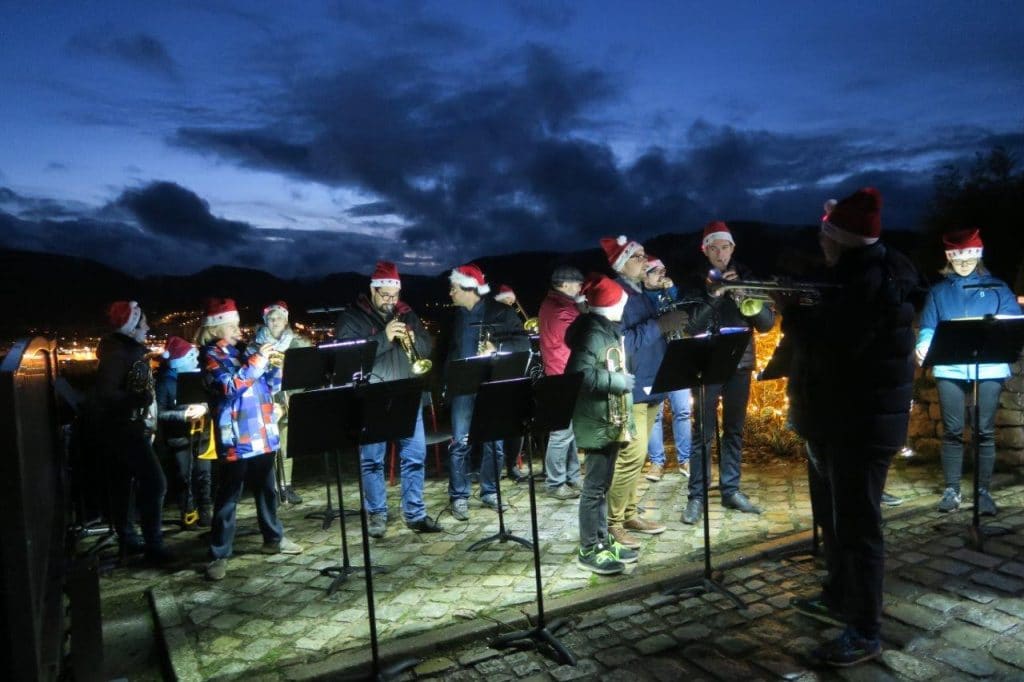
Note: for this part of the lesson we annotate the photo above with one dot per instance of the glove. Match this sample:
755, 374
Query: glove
672, 321
622, 383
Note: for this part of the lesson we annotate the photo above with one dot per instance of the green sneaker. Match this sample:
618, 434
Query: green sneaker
621, 552
600, 560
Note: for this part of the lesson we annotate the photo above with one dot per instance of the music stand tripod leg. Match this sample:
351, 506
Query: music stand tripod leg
708, 582
541, 632
329, 513
340, 573
502, 535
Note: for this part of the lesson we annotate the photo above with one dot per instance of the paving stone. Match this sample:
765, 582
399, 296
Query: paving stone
655, 644
615, 656
938, 602
989, 618
967, 636
950, 566
1009, 652
998, 581
976, 558
689, 633
910, 667
585, 668
1014, 607
474, 656
970, 662
918, 616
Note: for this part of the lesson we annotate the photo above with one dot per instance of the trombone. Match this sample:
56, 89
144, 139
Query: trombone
530, 324
751, 295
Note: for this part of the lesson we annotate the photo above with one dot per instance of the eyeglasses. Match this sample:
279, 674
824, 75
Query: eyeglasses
386, 297
638, 256
964, 261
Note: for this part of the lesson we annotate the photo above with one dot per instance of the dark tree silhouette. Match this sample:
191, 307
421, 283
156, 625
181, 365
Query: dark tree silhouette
989, 196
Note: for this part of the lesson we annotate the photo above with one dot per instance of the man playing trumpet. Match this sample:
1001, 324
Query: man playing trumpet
401, 340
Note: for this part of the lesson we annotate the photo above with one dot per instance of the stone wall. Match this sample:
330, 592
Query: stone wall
926, 418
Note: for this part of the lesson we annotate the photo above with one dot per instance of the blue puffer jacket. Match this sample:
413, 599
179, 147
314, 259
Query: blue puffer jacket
244, 405
950, 299
645, 346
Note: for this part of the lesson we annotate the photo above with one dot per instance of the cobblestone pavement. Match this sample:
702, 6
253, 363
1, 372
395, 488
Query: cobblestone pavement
951, 612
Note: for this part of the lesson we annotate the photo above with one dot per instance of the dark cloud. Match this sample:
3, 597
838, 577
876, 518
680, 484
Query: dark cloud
375, 208
167, 209
552, 15
141, 51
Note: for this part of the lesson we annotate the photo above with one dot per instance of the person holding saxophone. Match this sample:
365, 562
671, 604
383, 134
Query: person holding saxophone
602, 421
403, 349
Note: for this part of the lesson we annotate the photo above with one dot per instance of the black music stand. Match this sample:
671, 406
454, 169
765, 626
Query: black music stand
977, 341
314, 367
699, 362
465, 377
550, 409
778, 368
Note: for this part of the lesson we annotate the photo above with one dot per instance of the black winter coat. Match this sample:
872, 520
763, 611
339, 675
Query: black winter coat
119, 406
852, 369
714, 313
362, 321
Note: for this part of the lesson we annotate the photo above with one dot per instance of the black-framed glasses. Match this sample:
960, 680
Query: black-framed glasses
387, 297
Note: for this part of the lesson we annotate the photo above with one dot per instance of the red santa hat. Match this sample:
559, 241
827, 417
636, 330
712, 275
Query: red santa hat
385, 275
176, 347
618, 250
505, 294
855, 220
469, 276
124, 316
715, 230
220, 311
963, 244
653, 262
604, 295
276, 305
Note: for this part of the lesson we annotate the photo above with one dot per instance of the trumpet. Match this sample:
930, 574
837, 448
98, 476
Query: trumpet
420, 365
618, 405
751, 295
530, 324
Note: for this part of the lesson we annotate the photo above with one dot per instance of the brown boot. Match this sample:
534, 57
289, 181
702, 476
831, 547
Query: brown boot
654, 473
623, 537
643, 526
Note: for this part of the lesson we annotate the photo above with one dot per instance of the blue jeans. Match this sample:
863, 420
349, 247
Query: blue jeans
734, 393
258, 472
492, 454
412, 451
952, 399
680, 403
562, 461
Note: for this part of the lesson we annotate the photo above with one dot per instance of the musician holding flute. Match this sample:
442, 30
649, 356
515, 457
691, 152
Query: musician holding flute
402, 346
480, 327
723, 309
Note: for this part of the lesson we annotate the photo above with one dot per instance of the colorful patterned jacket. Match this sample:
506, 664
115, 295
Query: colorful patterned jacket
243, 406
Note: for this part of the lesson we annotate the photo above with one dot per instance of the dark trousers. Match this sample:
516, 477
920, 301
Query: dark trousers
137, 484
846, 484
232, 477
600, 465
953, 395
734, 394
192, 480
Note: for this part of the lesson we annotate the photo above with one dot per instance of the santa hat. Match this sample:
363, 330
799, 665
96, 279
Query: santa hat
276, 305
385, 275
653, 262
505, 294
220, 311
855, 220
604, 296
715, 230
124, 316
469, 277
180, 354
963, 244
618, 250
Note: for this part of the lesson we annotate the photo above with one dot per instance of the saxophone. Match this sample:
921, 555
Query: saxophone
618, 405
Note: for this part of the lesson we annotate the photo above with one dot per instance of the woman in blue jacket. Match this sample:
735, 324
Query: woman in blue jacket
968, 290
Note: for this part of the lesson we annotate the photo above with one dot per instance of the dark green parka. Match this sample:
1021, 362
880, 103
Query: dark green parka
589, 337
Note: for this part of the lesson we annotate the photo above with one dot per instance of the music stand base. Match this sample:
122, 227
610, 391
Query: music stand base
341, 574
708, 584
500, 537
388, 673
540, 635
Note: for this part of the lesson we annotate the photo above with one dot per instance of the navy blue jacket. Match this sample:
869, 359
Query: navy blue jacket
645, 346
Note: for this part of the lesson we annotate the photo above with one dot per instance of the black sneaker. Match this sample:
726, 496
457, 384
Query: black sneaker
950, 501
846, 650
986, 505
694, 510
290, 496
891, 500
424, 525
205, 517
817, 609
377, 525
600, 560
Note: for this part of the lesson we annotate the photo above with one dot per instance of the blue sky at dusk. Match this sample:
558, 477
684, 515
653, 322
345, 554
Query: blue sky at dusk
310, 137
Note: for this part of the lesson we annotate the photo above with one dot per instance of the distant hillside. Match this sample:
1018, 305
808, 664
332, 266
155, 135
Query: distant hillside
65, 293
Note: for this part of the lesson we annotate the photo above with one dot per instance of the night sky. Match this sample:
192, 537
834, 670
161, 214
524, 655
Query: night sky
311, 137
